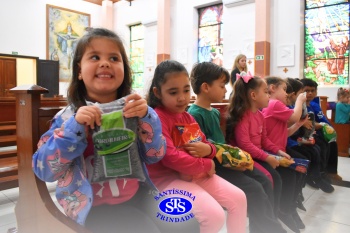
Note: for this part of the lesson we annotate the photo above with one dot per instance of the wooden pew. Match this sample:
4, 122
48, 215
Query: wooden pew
35, 211
343, 130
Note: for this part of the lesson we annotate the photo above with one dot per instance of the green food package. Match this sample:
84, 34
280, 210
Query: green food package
115, 145
233, 157
329, 133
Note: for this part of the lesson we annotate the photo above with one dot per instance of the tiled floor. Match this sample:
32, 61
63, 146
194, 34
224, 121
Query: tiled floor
326, 213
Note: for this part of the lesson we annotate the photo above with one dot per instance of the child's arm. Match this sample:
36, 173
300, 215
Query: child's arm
295, 117
152, 144
244, 142
182, 161
58, 147
292, 129
198, 149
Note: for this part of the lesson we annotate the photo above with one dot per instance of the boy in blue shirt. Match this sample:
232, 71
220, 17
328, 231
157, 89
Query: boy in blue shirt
331, 149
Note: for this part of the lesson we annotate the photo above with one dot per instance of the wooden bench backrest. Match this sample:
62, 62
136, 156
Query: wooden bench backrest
35, 211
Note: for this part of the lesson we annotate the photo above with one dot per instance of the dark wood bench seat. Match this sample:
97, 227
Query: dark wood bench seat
35, 210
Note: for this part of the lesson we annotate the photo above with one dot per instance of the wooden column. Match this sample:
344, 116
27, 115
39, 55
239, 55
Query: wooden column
163, 28
262, 38
107, 14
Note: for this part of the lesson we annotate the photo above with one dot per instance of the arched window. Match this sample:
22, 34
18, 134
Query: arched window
136, 54
210, 38
327, 41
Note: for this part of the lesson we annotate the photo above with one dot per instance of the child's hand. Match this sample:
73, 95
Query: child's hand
212, 170
89, 116
135, 106
301, 98
318, 126
308, 123
272, 161
302, 122
198, 149
283, 154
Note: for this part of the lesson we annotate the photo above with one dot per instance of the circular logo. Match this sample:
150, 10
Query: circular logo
175, 206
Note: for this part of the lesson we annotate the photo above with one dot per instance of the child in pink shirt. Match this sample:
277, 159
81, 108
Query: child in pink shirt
247, 129
169, 94
278, 118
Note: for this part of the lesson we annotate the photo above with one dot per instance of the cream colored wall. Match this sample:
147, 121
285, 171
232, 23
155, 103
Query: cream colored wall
26, 71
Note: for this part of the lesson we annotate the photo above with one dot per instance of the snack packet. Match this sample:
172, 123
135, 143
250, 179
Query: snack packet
299, 165
233, 157
115, 145
186, 133
328, 132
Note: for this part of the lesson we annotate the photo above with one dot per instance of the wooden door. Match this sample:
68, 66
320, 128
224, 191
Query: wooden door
8, 76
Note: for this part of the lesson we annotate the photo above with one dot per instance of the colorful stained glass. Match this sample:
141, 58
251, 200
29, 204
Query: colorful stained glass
327, 44
210, 37
327, 19
321, 3
137, 54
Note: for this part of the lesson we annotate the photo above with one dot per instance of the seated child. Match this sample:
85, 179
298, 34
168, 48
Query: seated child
329, 150
246, 128
169, 95
310, 151
342, 111
66, 152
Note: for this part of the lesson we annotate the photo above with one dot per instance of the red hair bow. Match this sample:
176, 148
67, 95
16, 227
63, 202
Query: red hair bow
245, 76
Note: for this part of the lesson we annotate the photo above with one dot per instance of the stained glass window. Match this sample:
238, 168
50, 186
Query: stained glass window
210, 38
136, 54
327, 41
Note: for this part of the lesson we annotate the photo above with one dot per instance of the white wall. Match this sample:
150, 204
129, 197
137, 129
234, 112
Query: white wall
23, 26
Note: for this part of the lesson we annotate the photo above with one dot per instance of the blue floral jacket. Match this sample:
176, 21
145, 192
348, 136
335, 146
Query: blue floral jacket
60, 157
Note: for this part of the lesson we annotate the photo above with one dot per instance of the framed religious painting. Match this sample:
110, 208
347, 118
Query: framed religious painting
64, 27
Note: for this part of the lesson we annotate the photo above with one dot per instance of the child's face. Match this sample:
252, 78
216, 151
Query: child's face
217, 90
311, 93
262, 96
102, 70
242, 62
280, 93
293, 97
175, 92
344, 98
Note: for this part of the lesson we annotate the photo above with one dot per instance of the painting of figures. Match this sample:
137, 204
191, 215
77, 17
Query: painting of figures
64, 28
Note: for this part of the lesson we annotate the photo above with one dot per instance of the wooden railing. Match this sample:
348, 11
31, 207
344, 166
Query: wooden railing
35, 210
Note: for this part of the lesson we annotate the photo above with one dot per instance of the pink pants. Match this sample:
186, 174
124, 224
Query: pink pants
211, 195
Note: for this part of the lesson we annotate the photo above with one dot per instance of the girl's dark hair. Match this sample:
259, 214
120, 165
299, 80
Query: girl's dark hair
274, 81
206, 72
76, 93
295, 84
160, 77
239, 103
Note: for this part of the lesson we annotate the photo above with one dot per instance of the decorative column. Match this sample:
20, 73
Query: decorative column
262, 38
107, 14
163, 28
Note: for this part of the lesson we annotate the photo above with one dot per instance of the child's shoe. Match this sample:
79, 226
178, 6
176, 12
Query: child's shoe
324, 185
298, 220
288, 220
335, 176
